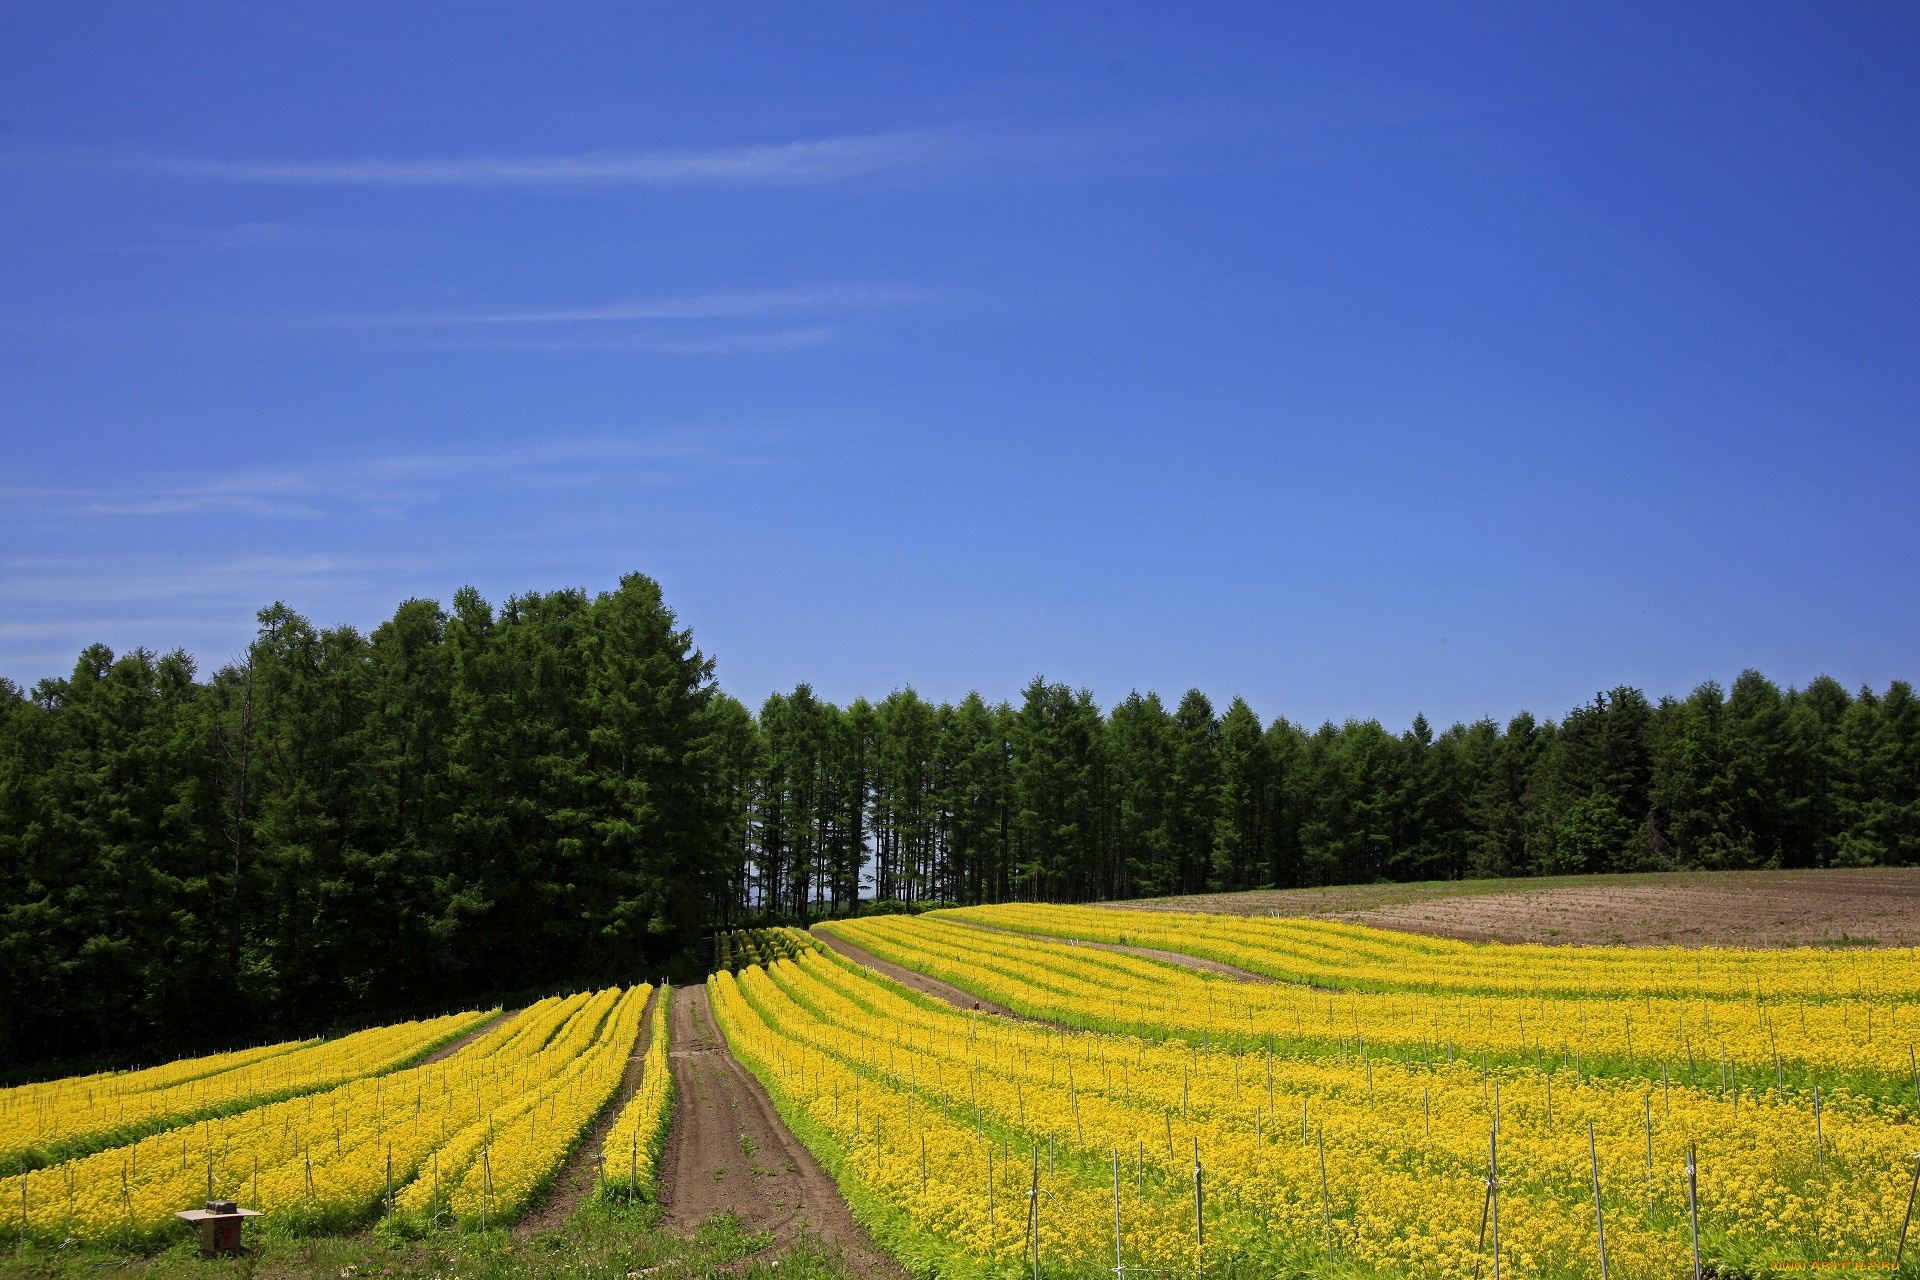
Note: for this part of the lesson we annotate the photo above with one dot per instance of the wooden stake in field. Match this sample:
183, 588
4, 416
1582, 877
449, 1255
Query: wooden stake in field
989, 1186
1326, 1201
1693, 1204
1199, 1219
1819, 1139
1599, 1215
1649, 1105
1900, 1250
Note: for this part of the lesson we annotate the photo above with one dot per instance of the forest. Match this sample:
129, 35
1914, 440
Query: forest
471, 802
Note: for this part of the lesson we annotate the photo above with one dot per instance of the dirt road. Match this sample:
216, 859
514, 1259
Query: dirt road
1198, 963
727, 1150
918, 981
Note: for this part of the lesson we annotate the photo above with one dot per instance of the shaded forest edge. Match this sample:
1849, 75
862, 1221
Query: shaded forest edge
341, 828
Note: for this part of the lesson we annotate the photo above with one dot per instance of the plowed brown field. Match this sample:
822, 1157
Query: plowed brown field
1866, 907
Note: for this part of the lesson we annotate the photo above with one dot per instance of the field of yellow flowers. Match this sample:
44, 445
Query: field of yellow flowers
468, 1140
1199, 1130
631, 1150
41, 1124
1740, 1046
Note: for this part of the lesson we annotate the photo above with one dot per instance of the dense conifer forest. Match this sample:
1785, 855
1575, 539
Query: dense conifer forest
474, 801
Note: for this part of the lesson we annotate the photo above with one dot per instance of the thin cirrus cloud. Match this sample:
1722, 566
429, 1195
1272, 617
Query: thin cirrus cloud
762, 304
801, 163
699, 324
401, 480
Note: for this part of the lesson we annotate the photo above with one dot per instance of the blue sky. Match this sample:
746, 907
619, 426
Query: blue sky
1358, 359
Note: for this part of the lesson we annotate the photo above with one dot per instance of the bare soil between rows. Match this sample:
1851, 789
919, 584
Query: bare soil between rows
576, 1180
955, 996
1864, 907
727, 1150
1199, 963
446, 1051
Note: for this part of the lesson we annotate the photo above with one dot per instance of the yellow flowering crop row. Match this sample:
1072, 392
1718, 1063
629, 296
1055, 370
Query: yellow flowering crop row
632, 1147
1329, 953
524, 1151
952, 1185
1405, 1145
43, 1123
325, 1160
1747, 1044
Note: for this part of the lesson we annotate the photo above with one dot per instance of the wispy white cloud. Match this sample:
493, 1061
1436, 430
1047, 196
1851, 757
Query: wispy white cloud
94, 582
754, 305
800, 163
395, 481
758, 341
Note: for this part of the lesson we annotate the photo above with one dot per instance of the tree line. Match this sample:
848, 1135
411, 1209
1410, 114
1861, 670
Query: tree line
1053, 798
471, 802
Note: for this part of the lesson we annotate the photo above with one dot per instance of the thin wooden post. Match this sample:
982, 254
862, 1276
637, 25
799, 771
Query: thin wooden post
1819, 1139
1493, 1192
1599, 1215
1199, 1218
1119, 1264
1693, 1204
1033, 1213
1900, 1251
1326, 1201
1649, 1106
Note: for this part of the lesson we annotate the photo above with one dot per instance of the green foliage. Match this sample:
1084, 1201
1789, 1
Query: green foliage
473, 802
338, 827
603, 1240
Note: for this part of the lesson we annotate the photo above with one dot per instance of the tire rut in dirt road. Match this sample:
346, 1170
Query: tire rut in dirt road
727, 1149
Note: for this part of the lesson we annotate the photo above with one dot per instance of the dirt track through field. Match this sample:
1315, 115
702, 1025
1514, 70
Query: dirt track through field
953, 995
1199, 963
728, 1150
576, 1180
446, 1051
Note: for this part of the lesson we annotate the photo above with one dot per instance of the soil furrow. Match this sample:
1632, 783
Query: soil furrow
1185, 961
955, 996
582, 1170
446, 1051
727, 1150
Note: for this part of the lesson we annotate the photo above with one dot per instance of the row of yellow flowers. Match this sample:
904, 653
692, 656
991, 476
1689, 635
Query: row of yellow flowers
631, 1149
1330, 953
330, 1159
1405, 1146
1746, 1045
527, 1144
58, 1119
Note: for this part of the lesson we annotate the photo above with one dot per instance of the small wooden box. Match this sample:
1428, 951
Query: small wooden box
220, 1224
